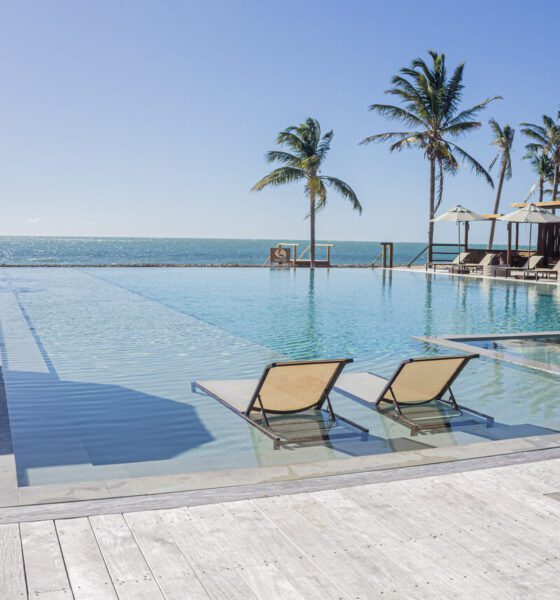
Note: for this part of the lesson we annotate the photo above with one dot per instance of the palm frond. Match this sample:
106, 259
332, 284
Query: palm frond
416, 139
280, 176
396, 113
289, 138
283, 157
460, 129
470, 113
384, 137
493, 162
473, 164
344, 190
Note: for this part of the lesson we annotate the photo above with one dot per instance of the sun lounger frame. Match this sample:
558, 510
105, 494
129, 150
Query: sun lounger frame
460, 268
266, 428
449, 265
525, 270
414, 426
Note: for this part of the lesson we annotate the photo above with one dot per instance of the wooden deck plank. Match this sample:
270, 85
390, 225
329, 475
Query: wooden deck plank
85, 566
169, 565
132, 578
444, 511
416, 538
267, 581
354, 572
358, 534
251, 540
12, 575
206, 554
44, 565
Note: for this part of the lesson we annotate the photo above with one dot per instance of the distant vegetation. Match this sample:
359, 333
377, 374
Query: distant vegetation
544, 153
503, 139
430, 104
430, 108
308, 150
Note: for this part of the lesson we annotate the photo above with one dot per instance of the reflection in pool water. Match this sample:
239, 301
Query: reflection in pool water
98, 362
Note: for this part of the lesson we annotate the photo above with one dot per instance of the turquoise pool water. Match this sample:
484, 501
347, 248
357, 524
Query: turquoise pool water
97, 363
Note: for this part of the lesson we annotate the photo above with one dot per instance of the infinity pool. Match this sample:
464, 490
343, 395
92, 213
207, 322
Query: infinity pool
97, 363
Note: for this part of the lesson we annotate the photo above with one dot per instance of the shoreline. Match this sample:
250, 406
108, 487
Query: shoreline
178, 265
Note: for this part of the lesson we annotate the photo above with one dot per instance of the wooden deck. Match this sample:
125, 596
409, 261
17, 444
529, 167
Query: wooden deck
490, 534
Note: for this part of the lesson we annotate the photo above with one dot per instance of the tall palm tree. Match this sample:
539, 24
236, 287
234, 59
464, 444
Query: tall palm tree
308, 151
503, 139
542, 165
546, 140
430, 103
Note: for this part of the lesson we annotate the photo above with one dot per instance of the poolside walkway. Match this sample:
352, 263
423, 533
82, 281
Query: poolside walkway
490, 534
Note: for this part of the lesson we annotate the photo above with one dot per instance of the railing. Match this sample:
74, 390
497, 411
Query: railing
417, 257
439, 255
374, 263
308, 250
442, 255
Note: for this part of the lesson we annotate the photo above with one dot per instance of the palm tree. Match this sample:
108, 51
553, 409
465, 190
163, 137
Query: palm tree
503, 139
546, 142
430, 103
542, 165
308, 151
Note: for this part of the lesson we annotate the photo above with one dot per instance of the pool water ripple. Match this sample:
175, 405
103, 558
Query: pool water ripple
98, 362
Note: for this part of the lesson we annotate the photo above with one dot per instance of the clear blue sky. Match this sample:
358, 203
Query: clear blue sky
152, 118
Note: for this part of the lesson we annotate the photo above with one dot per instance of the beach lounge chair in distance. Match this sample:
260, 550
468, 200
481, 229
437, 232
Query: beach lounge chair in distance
486, 261
284, 388
547, 272
529, 267
416, 385
458, 260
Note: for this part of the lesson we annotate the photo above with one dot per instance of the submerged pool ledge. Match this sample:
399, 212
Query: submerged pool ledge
463, 343
161, 484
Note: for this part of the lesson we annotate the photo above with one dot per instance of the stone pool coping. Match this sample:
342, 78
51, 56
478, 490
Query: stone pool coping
456, 342
13, 496
69, 504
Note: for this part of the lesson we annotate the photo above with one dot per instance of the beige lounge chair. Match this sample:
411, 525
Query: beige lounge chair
284, 388
458, 260
486, 261
415, 392
547, 272
527, 269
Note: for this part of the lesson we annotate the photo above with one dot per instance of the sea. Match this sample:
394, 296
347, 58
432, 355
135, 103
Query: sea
136, 251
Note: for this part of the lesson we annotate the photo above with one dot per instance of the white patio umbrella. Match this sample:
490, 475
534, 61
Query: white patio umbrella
459, 215
530, 214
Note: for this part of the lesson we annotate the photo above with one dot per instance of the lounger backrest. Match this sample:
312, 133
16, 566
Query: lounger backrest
533, 262
487, 260
461, 258
296, 386
556, 267
423, 379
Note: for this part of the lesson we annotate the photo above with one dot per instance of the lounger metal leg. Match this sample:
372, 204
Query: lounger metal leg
275, 438
335, 416
353, 423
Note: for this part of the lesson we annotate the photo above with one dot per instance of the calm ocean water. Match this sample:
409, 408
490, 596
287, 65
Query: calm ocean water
138, 251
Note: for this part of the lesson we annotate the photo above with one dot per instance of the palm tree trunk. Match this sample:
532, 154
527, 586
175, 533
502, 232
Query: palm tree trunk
497, 205
541, 188
555, 182
432, 207
311, 230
